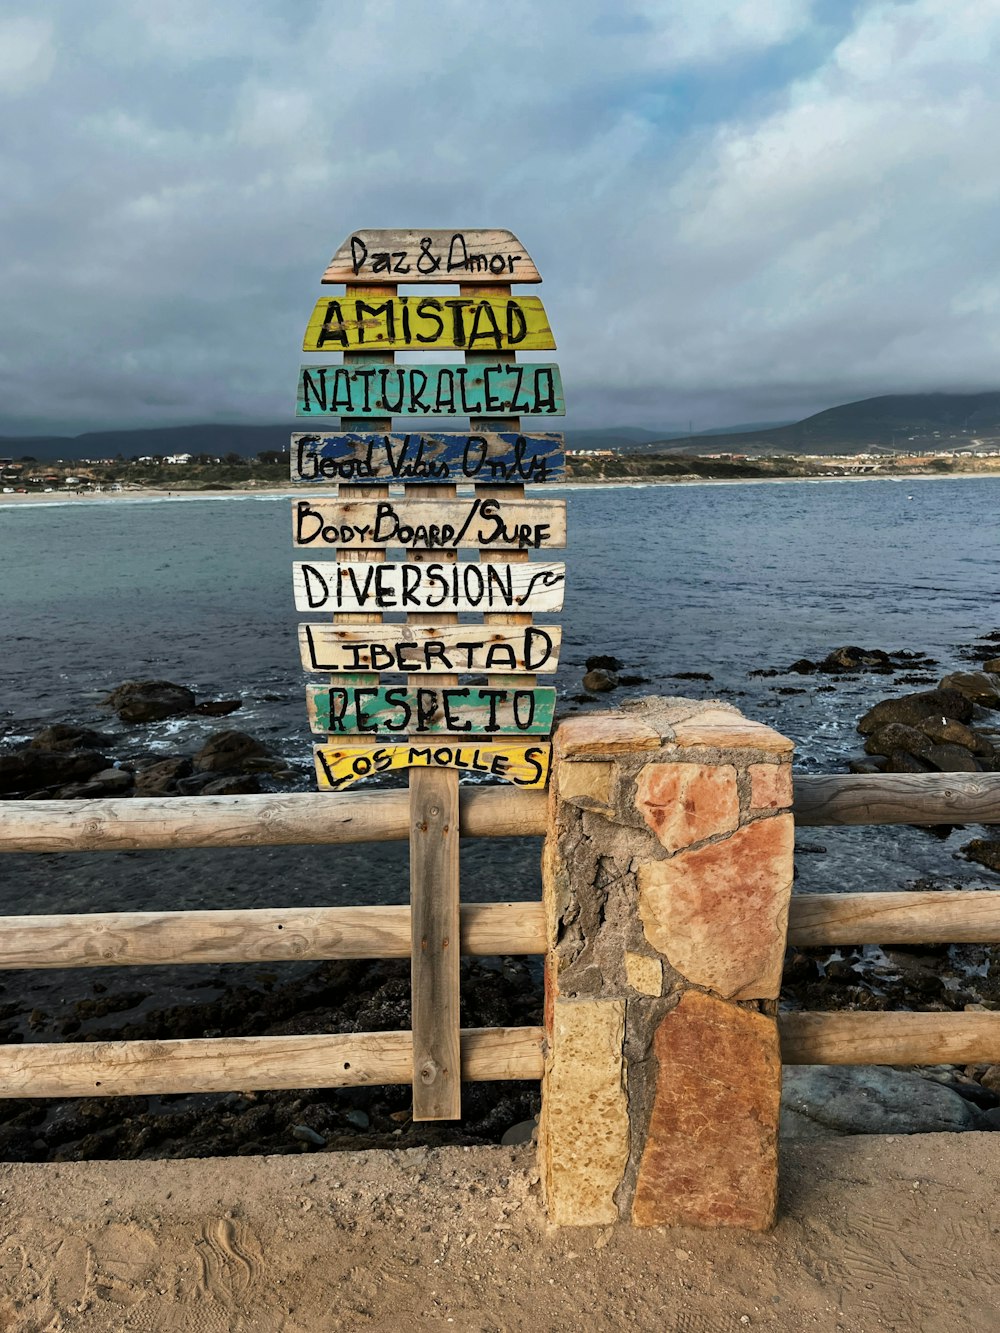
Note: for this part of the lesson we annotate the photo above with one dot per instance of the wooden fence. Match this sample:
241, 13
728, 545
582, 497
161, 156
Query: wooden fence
75, 1069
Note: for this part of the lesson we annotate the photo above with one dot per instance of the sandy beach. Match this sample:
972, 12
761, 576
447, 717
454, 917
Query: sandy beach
875, 1235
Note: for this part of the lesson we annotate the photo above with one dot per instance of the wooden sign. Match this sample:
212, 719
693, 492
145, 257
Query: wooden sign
477, 255
380, 388
441, 525
430, 649
418, 710
362, 586
337, 766
485, 456
429, 324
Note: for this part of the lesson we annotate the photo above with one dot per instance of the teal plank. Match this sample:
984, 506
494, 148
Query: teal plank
379, 388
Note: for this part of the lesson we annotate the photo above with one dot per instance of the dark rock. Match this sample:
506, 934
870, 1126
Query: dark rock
193, 785
985, 852
901, 761
676, 675
523, 1132
803, 667
946, 731
64, 736
358, 1118
639, 680
604, 662
911, 709
981, 687
108, 782
951, 759
599, 681
306, 1135
851, 658
876, 764
160, 779
787, 689
583, 698
217, 707
31, 770
233, 784
897, 736
230, 752
150, 700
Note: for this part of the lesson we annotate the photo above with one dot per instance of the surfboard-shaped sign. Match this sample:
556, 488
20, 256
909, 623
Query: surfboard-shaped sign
381, 388
475, 255
419, 710
428, 324
440, 525
436, 586
430, 649
337, 766
437, 458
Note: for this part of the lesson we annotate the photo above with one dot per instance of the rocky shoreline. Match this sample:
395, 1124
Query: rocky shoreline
952, 726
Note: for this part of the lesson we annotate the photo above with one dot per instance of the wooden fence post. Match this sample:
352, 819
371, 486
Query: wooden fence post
667, 879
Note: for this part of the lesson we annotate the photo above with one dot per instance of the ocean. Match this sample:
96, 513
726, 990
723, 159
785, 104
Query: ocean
722, 579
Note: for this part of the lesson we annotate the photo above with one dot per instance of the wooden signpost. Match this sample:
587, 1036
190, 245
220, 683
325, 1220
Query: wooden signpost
373, 552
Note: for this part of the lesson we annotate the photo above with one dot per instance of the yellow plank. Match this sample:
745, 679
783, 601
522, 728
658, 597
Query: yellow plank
337, 766
428, 323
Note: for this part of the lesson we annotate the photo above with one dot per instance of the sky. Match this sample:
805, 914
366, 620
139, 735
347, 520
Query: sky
742, 210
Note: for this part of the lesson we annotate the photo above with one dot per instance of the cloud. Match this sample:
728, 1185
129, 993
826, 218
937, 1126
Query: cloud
741, 209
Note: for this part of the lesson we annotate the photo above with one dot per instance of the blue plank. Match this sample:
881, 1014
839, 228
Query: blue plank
418, 456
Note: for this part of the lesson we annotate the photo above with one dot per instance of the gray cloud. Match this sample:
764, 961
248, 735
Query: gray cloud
176, 177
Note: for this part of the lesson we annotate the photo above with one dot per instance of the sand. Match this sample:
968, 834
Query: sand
875, 1234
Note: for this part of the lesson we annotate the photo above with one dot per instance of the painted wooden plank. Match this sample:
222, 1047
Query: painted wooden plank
429, 525
434, 586
337, 766
428, 324
408, 255
435, 926
420, 710
430, 649
419, 456
378, 388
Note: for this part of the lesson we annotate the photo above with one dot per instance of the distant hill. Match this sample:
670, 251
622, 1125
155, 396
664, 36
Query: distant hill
893, 423
875, 425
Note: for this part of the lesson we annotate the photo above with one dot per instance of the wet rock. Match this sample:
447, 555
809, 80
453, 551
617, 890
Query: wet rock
992, 664
599, 681
675, 675
911, 709
818, 1100
982, 687
217, 707
108, 782
32, 770
65, 736
898, 736
642, 680
230, 752
195, 784
604, 662
160, 779
150, 700
233, 784
946, 731
951, 759
984, 851
900, 761
803, 667
876, 764
852, 658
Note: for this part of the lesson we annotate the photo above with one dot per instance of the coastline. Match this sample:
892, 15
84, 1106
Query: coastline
291, 491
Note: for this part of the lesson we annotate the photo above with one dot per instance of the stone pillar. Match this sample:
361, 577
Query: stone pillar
667, 877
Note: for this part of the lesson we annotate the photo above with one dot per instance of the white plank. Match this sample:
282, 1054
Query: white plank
409, 255
430, 525
430, 649
333, 586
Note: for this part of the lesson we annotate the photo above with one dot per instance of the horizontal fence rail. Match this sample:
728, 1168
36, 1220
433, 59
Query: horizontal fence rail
224, 1064
297, 819
889, 1038
112, 939
968, 917
897, 798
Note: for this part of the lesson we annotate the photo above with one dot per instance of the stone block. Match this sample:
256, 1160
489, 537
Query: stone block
686, 803
770, 786
725, 729
604, 733
711, 1152
585, 1122
587, 785
719, 914
643, 973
